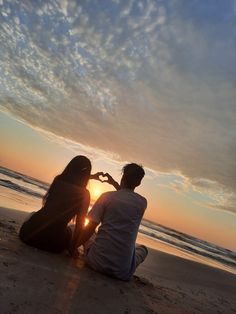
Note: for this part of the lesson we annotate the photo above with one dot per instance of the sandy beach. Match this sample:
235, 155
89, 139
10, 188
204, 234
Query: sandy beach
33, 281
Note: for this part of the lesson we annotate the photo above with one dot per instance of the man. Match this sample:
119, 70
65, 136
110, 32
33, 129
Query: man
119, 212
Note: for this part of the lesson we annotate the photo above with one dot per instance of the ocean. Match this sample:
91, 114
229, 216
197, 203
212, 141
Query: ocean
22, 192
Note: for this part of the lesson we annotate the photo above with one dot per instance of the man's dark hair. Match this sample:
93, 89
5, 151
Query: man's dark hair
132, 175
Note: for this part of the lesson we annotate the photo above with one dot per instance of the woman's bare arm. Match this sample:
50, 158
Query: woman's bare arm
79, 224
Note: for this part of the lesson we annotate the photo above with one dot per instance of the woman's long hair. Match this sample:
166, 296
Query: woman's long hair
77, 173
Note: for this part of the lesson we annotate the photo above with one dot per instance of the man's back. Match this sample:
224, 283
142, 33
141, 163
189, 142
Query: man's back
120, 214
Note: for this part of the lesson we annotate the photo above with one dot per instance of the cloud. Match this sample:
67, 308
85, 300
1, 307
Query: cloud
146, 80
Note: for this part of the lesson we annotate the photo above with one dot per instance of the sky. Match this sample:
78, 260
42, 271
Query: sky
152, 82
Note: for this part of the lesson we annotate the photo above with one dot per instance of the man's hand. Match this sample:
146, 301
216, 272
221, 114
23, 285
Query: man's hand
111, 181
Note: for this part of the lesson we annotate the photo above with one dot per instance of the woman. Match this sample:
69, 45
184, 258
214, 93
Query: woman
66, 198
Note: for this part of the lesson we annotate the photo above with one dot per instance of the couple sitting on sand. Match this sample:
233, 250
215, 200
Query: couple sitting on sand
112, 249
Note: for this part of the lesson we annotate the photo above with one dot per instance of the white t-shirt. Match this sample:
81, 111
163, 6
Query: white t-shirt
120, 214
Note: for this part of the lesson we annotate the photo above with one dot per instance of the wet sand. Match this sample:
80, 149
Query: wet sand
33, 281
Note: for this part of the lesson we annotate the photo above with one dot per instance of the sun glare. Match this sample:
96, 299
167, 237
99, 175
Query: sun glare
96, 192
86, 222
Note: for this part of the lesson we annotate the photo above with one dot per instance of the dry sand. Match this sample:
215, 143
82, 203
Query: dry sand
33, 281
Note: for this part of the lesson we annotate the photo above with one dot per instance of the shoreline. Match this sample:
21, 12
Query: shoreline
35, 281
26, 205
144, 239
172, 250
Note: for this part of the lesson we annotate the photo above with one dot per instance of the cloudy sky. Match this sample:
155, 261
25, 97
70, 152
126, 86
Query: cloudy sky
146, 81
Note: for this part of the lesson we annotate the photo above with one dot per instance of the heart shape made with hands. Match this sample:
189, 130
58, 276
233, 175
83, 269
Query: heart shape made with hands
103, 177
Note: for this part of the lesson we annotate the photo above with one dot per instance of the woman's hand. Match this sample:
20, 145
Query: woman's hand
73, 252
96, 176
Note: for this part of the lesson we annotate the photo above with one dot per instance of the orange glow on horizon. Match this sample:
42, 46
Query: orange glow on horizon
97, 192
96, 189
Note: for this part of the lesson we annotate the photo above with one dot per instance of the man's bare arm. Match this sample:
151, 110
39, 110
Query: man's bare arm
111, 181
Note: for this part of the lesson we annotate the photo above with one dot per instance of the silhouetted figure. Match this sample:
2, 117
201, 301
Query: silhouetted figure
119, 214
67, 197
